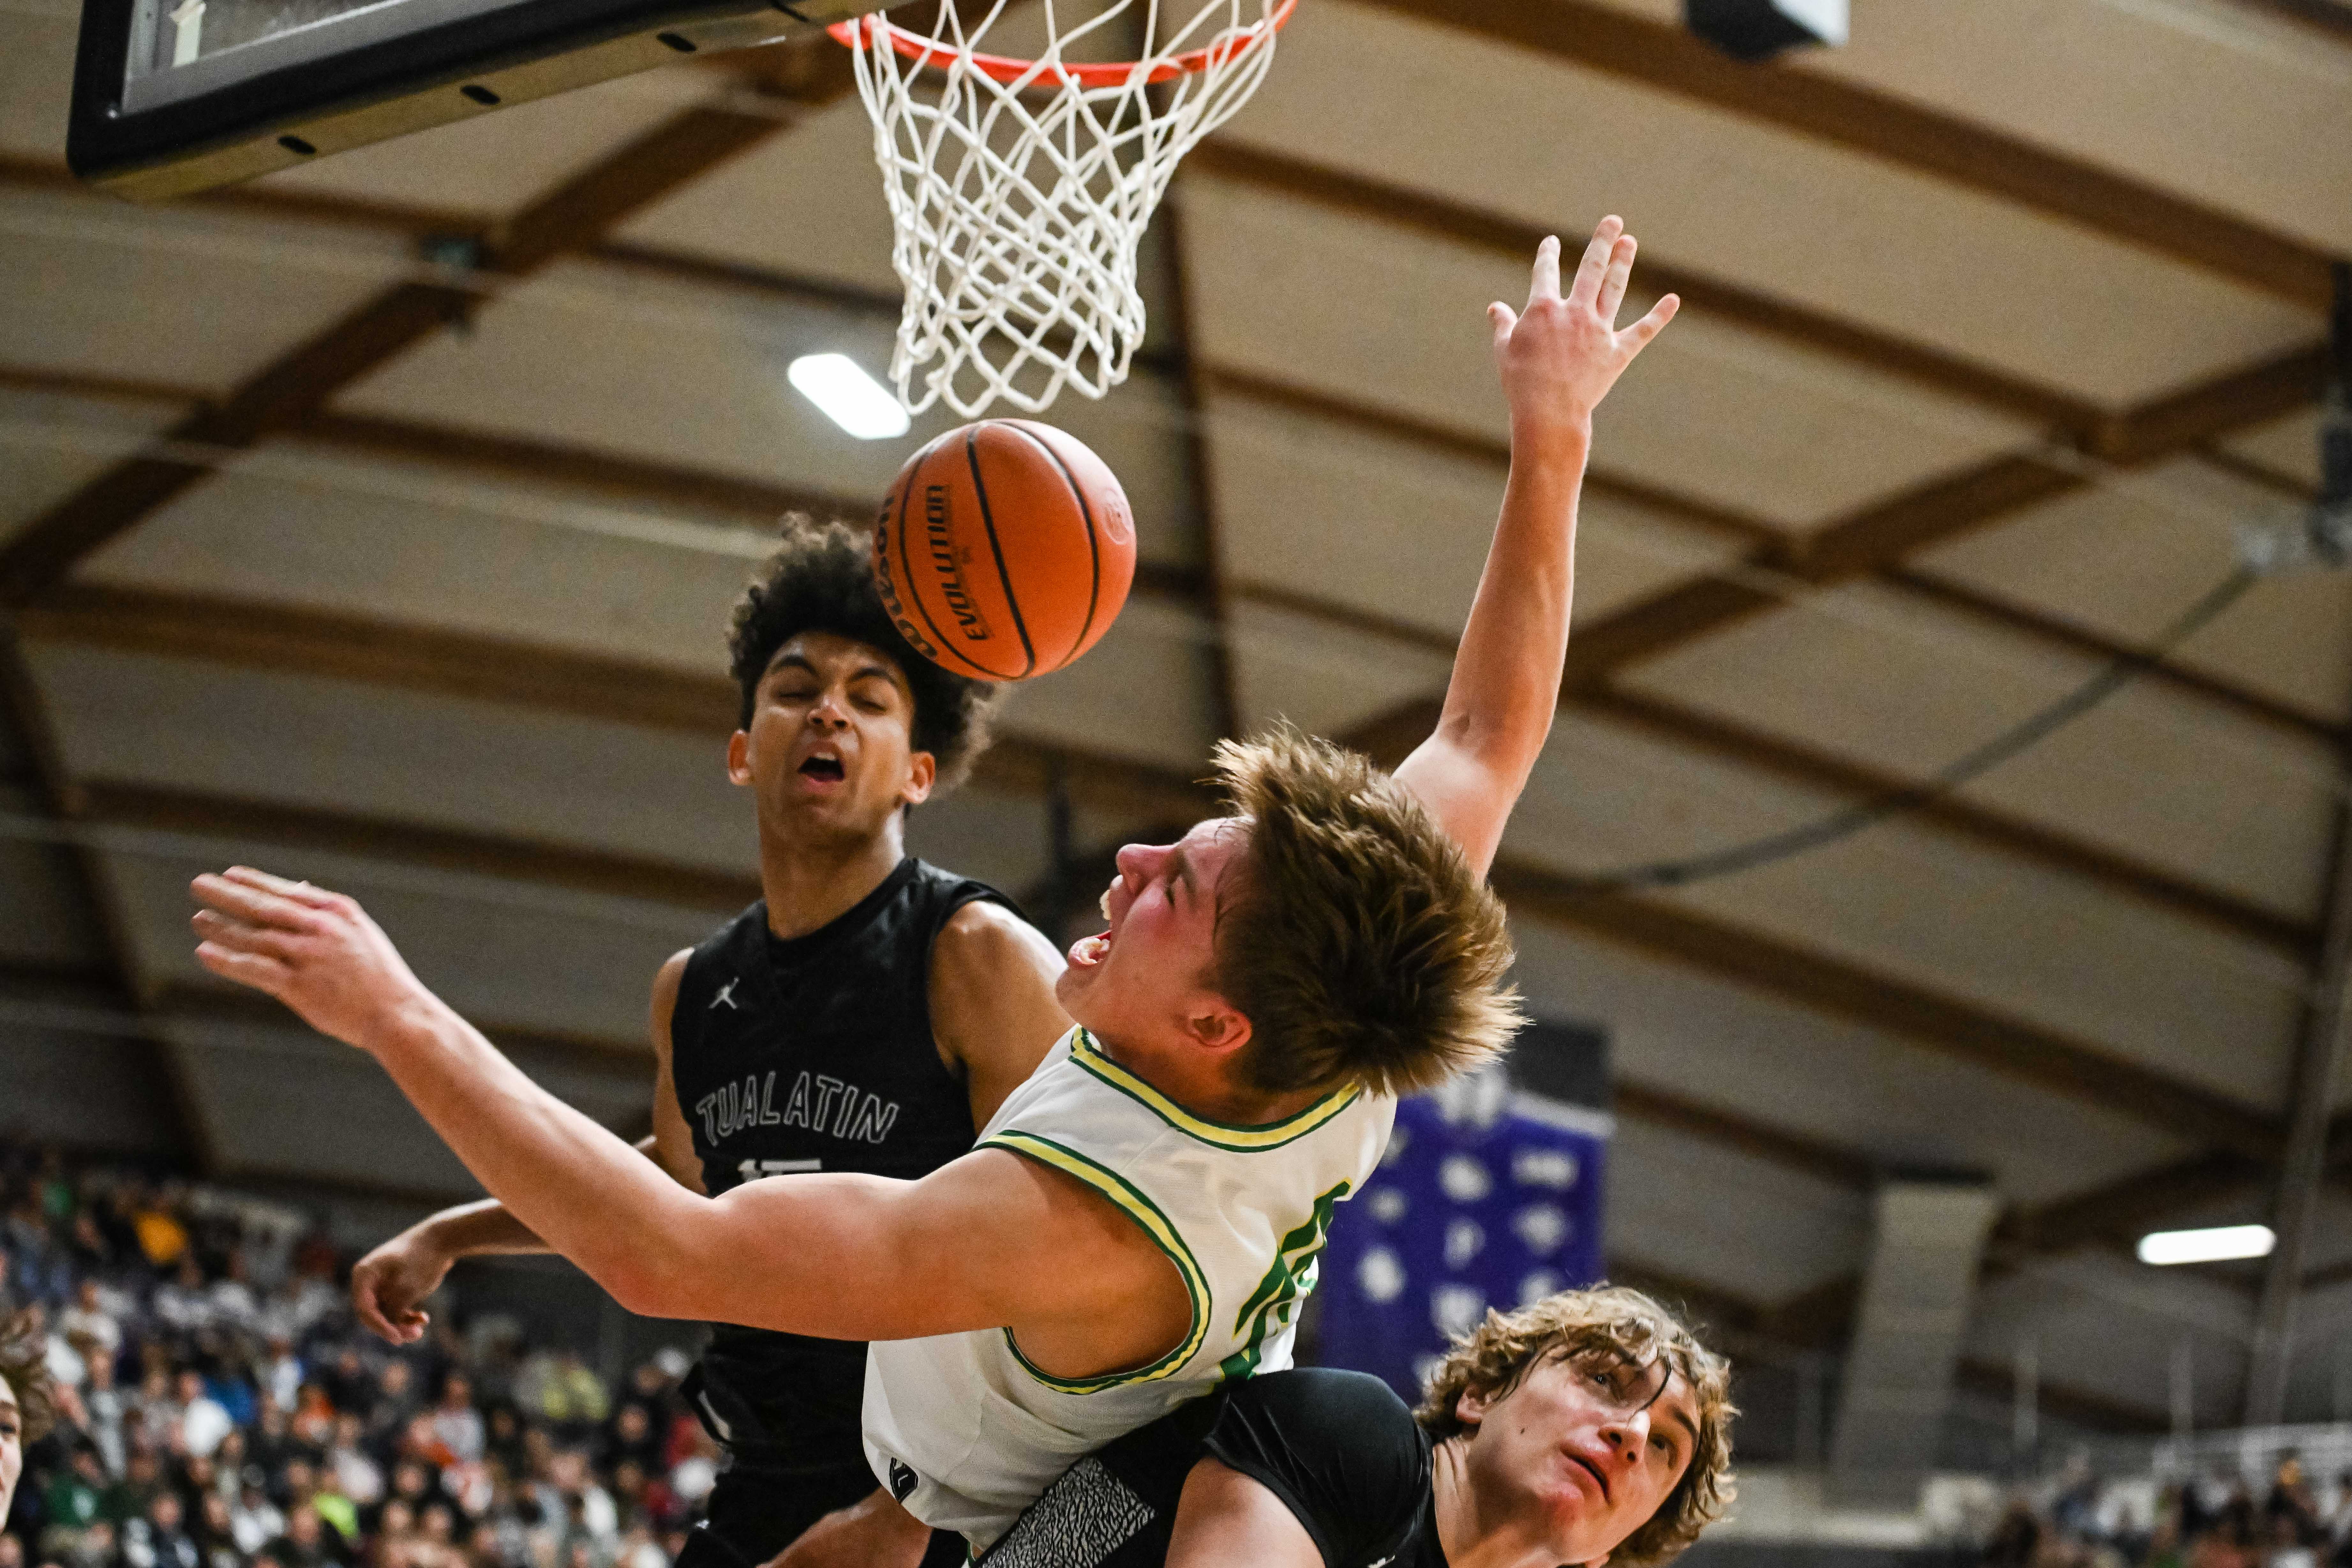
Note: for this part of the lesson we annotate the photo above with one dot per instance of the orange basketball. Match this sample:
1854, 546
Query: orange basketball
1005, 549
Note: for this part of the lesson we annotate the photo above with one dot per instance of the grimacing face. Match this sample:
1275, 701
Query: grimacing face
1150, 974
1581, 1452
829, 745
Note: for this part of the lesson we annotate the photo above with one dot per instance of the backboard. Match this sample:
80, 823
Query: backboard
175, 96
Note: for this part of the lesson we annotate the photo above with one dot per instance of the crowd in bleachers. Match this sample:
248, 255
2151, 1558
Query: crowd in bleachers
2214, 1519
220, 1409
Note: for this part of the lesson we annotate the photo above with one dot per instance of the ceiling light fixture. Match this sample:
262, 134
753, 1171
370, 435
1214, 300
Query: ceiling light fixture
2217, 1244
852, 399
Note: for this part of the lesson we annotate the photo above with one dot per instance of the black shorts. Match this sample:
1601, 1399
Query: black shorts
756, 1510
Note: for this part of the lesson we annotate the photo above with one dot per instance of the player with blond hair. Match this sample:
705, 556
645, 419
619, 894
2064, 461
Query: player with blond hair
1591, 1426
1141, 1217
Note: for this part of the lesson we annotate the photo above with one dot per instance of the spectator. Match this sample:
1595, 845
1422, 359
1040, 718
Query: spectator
456, 1423
162, 1239
158, 1539
254, 1520
350, 1470
71, 1506
307, 1544
282, 1370
203, 1421
216, 1534
141, 1481
104, 1408
89, 1321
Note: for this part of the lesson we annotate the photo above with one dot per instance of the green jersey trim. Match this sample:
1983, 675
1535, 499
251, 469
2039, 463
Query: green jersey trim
1225, 1135
1155, 1225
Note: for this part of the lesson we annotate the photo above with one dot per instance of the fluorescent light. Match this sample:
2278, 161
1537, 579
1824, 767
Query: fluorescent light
2218, 1244
849, 397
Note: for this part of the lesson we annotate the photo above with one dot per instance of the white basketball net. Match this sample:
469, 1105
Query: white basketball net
1018, 204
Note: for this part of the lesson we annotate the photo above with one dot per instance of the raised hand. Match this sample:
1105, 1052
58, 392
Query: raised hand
1559, 357
315, 951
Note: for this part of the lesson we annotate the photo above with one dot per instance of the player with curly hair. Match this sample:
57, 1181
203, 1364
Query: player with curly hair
868, 1014
27, 1399
1590, 1425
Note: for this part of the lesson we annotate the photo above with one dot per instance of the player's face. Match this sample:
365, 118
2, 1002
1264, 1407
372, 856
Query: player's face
1583, 1452
829, 741
12, 1445
1147, 979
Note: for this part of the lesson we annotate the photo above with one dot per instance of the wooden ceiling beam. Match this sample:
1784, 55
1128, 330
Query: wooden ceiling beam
1402, 727
1989, 609
2117, 1213
575, 214
2021, 837
1601, 36
257, 634
2010, 1046
1764, 537
1457, 223
1879, 535
160, 809
23, 711
1831, 1163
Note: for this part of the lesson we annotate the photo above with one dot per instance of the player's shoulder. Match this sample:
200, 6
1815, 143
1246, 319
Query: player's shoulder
986, 944
1339, 1448
1327, 1399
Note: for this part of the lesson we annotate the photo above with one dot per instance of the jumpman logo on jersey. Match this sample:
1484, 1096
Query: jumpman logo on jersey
727, 995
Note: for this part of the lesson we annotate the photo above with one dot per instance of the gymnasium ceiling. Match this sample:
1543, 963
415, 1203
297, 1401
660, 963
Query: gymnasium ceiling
1999, 321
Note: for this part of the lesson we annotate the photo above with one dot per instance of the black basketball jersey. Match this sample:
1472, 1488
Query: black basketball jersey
813, 1054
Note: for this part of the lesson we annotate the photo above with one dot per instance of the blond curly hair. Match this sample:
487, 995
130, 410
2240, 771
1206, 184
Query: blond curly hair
1613, 1320
1356, 939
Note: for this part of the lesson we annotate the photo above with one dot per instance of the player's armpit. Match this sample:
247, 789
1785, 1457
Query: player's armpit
673, 1141
1226, 1517
988, 1241
992, 1006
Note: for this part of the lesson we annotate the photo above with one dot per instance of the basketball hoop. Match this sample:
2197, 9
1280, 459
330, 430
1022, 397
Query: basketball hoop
1020, 188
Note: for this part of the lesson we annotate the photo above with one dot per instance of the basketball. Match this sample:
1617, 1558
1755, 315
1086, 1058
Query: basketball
1005, 549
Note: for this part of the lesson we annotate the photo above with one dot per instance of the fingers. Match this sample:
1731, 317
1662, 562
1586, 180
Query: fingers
299, 892
371, 1316
1502, 319
266, 941
1588, 272
238, 896
1639, 334
1614, 277
265, 975
1544, 284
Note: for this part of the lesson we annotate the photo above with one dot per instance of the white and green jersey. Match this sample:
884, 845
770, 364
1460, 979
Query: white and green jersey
966, 1433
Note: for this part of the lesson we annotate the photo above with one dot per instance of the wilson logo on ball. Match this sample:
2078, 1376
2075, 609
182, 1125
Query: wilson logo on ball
1016, 559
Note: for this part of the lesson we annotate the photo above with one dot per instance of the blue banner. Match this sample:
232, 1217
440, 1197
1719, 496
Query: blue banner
1488, 1196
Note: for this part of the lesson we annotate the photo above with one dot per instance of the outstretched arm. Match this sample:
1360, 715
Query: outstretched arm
1558, 358
981, 1243
390, 1284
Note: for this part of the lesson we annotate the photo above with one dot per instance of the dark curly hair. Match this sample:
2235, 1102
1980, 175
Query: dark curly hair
24, 1363
820, 580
